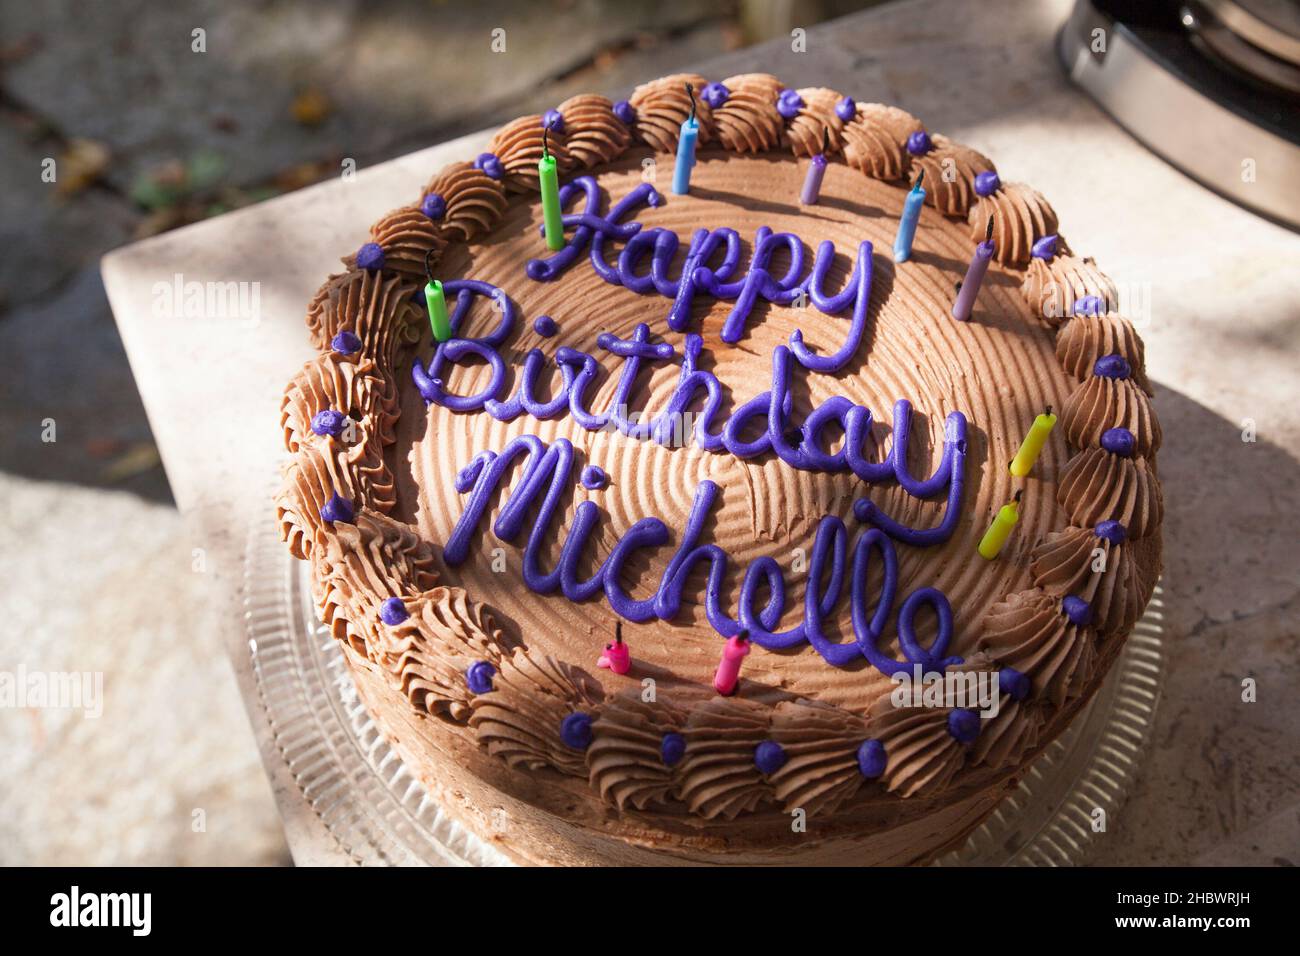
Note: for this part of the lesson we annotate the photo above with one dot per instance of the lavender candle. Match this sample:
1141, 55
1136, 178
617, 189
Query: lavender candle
812, 184
970, 286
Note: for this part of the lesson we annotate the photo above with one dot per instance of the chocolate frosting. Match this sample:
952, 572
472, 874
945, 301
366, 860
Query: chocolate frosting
626, 757
475, 201
815, 123
1030, 632
395, 467
663, 105
950, 171
1097, 485
922, 755
1076, 561
1021, 216
593, 134
747, 122
821, 745
406, 236
518, 145
1052, 286
1086, 338
1101, 403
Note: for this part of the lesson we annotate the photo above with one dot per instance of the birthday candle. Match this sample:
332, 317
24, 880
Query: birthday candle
616, 656
1034, 441
549, 182
686, 149
907, 224
439, 322
812, 184
970, 286
993, 540
728, 674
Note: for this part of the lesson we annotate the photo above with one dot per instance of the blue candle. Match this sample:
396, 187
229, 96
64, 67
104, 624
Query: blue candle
907, 225
686, 149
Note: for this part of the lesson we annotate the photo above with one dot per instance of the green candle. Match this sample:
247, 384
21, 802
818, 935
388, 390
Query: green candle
437, 303
550, 185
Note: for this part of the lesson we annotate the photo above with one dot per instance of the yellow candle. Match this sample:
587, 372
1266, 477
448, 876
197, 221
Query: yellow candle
1023, 463
994, 539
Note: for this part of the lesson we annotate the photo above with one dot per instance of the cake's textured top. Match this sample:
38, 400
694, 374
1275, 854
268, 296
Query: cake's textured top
670, 422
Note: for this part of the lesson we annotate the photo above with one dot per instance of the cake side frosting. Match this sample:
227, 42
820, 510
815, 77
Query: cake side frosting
441, 645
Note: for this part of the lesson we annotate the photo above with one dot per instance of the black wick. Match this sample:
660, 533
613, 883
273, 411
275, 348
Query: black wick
919, 176
618, 632
546, 130
988, 235
690, 91
428, 266
826, 140
1049, 410
1017, 496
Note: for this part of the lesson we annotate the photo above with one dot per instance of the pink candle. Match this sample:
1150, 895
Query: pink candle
616, 656
970, 286
728, 674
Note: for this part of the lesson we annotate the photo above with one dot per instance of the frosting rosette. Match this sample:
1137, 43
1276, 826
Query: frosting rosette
747, 120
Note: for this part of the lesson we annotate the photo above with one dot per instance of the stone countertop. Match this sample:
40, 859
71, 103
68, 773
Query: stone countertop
1218, 290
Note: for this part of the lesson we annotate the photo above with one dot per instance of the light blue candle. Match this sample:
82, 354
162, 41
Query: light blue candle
907, 225
686, 149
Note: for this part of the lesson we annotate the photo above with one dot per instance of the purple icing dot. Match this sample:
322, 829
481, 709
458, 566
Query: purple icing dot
346, 343
862, 509
1044, 248
478, 678
715, 94
1112, 366
393, 611
545, 326
370, 256
1119, 441
987, 183
789, 103
554, 120
769, 757
328, 422
575, 730
1014, 683
871, 759
918, 144
1112, 531
625, 112
846, 109
434, 206
1077, 610
672, 749
490, 164
593, 476
337, 509
964, 725
1089, 305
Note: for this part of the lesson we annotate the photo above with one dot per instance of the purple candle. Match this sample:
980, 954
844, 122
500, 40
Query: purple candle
970, 286
812, 185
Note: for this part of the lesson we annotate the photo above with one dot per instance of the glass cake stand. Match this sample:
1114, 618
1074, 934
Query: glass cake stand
381, 815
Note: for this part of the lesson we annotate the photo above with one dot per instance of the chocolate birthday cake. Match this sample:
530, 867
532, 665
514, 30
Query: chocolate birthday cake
730, 474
